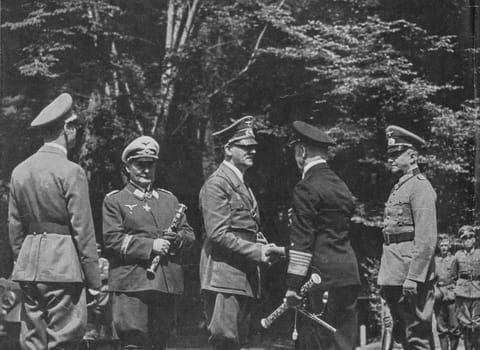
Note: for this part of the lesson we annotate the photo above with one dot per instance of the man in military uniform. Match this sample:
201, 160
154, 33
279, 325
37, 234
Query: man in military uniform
322, 206
410, 234
52, 235
233, 246
135, 230
447, 323
466, 268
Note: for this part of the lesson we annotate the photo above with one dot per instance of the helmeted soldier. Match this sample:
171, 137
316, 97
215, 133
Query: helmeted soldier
447, 323
52, 235
410, 235
135, 230
466, 268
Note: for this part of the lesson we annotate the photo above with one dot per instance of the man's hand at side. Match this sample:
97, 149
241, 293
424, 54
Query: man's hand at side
292, 298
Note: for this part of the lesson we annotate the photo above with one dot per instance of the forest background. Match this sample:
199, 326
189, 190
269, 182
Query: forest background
180, 69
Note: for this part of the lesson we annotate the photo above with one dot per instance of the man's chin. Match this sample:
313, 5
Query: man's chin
395, 169
143, 183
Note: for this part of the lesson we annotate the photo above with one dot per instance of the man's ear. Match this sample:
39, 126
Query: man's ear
303, 151
413, 155
228, 150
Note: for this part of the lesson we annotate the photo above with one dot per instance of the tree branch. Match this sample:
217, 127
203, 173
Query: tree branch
168, 35
188, 24
250, 62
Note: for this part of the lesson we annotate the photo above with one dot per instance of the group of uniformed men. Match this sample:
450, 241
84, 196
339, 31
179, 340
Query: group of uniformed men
52, 236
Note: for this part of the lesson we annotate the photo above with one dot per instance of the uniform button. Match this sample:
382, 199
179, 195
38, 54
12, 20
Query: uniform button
400, 212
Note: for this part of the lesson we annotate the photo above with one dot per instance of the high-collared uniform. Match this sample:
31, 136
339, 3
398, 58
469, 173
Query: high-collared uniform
447, 323
322, 206
410, 236
230, 255
53, 241
142, 306
466, 268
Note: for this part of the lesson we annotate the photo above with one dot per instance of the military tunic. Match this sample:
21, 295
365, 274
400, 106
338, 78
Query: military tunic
53, 242
409, 212
322, 206
466, 267
447, 323
230, 256
132, 220
467, 290
410, 237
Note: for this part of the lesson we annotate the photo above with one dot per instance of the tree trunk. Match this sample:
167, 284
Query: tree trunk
474, 27
208, 151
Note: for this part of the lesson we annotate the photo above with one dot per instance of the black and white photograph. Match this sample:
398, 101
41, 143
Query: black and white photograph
240, 174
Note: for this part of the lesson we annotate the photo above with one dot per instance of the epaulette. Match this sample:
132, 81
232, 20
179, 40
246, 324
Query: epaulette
421, 177
111, 193
162, 190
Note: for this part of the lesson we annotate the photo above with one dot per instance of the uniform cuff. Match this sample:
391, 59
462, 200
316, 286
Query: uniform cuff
92, 274
298, 262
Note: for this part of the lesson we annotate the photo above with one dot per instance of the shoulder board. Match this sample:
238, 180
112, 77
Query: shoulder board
112, 193
162, 190
421, 177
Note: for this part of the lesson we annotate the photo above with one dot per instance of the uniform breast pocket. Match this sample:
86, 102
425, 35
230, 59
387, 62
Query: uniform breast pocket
476, 265
237, 203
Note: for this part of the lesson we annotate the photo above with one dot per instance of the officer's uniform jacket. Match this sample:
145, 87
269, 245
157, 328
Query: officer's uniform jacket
229, 256
409, 211
50, 220
132, 220
466, 267
444, 269
322, 206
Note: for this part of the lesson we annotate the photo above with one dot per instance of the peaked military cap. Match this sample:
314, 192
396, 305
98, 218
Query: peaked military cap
240, 132
58, 110
399, 139
309, 133
141, 147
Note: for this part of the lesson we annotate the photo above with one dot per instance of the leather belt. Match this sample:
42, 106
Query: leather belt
398, 237
469, 276
48, 227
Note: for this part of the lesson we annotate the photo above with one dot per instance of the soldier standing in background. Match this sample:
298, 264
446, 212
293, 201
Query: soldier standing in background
52, 235
407, 268
135, 230
447, 324
233, 247
322, 206
466, 268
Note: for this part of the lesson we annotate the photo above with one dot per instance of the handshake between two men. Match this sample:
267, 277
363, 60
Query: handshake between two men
271, 253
